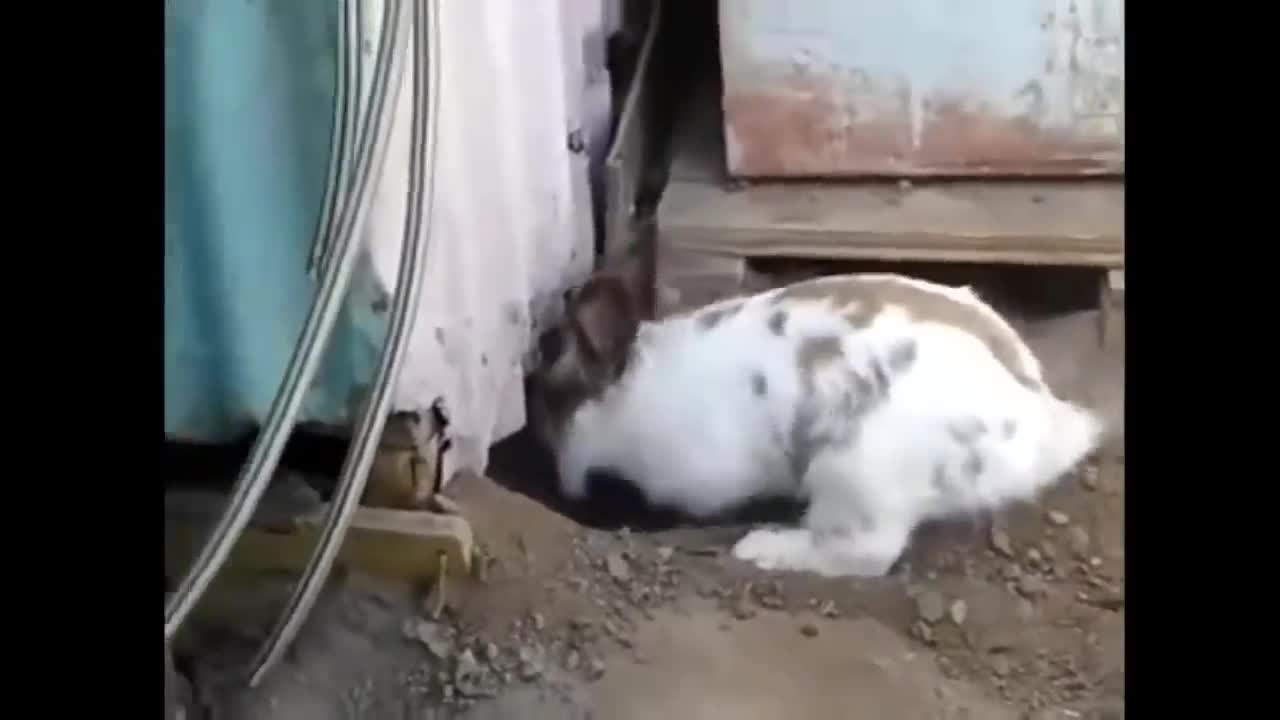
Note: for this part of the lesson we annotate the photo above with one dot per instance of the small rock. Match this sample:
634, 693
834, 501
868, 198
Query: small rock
945, 665
1095, 562
930, 606
1001, 666
595, 670
904, 185
1033, 557
434, 636
530, 671
1078, 538
1057, 517
539, 622
467, 665
665, 553
572, 661
923, 632
491, 652
828, 609
1048, 550
1001, 543
1011, 572
741, 606
1032, 586
618, 567
809, 630
959, 612
1089, 477
1024, 610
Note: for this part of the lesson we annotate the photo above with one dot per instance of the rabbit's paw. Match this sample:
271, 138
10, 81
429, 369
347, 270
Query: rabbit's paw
776, 549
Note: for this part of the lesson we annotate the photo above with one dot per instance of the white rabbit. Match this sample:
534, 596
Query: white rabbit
880, 400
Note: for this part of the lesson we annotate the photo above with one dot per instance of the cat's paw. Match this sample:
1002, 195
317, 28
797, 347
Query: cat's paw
770, 549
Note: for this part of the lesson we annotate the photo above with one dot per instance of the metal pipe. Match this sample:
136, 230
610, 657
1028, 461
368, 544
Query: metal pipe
265, 455
355, 469
346, 109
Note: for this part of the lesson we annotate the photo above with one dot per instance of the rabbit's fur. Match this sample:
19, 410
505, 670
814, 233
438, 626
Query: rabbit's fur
882, 400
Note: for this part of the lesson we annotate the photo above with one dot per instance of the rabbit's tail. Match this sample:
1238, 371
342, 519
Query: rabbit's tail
1073, 433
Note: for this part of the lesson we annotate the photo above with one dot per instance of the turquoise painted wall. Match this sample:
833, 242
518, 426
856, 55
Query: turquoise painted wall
249, 91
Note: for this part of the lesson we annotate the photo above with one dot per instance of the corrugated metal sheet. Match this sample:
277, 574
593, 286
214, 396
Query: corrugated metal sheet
923, 87
248, 98
249, 101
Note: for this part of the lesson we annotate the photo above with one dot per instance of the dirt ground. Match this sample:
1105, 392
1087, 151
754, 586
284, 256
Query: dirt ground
1016, 616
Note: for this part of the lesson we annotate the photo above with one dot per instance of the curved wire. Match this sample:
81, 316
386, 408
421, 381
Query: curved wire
355, 469
345, 129
265, 455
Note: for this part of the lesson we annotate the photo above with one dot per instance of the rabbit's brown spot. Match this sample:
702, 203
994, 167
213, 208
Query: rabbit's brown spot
710, 317
941, 480
778, 322
967, 431
1008, 428
860, 299
902, 356
816, 353
973, 465
759, 385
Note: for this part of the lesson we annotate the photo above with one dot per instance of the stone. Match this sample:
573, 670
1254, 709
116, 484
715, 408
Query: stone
1001, 543
1078, 540
1001, 666
618, 568
1024, 610
530, 671
1089, 477
930, 606
1032, 587
434, 636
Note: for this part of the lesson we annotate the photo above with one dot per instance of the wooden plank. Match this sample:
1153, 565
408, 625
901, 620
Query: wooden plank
625, 163
394, 544
1111, 308
1070, 222
1066, 223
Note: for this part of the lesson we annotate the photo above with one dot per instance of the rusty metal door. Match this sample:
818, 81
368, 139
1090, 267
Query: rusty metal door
849, 88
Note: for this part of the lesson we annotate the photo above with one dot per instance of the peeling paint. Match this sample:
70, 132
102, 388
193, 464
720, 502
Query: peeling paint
923, 87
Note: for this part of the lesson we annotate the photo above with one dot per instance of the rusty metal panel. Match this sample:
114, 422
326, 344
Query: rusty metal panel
852, 88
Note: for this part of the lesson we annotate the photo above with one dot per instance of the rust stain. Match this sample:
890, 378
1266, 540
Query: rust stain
797, 128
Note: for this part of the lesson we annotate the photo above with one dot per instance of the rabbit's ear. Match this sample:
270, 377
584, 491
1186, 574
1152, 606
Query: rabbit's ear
605, 320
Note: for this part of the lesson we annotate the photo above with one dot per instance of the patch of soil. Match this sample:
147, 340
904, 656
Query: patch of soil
1016, 616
